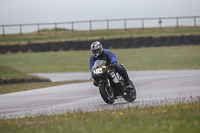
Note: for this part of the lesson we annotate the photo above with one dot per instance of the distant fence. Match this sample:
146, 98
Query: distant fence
71, 25
132, 42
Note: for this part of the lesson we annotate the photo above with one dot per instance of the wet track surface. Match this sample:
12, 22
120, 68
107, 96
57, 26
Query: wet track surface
153, 87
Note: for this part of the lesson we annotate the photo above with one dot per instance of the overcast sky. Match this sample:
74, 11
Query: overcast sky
39, 11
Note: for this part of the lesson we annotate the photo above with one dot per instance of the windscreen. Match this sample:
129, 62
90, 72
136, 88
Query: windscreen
98, 63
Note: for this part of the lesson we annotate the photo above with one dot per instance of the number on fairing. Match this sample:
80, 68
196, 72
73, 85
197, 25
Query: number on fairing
98, 70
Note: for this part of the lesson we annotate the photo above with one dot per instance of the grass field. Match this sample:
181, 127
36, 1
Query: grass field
8, 72
66, 35
159, 58
178, 118
154, 58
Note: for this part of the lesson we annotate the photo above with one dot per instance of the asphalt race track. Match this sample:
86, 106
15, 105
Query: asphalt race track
153, 87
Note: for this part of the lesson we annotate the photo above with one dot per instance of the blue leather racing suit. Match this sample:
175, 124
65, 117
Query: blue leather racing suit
106, 55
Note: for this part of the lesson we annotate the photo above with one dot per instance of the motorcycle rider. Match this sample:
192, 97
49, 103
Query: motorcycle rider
102, 54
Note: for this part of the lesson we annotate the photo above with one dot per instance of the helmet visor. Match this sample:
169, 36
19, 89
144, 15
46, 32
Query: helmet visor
96, 52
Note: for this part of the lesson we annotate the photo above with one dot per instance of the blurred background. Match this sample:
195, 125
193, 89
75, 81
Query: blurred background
53, 37
51, 11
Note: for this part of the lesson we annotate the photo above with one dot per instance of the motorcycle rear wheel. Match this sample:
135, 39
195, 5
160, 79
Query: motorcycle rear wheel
107, 96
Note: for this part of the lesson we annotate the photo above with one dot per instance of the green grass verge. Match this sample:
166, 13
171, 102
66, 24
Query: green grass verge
179, 118
153, 58
8, 72
66, 35
10, 88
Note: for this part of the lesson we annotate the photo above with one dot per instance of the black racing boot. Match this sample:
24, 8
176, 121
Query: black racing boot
129, 85
122, 71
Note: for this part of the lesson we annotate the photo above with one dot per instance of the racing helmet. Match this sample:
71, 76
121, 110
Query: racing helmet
96, 48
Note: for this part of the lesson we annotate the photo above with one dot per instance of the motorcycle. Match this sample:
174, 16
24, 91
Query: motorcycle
111, 84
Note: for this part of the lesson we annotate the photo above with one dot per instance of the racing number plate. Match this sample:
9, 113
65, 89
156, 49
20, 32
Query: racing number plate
98, 71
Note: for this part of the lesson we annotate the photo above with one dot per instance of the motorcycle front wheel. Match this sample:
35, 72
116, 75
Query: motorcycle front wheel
107, 96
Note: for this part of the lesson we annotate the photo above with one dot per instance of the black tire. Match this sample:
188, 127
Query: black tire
109, 99
130, 96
